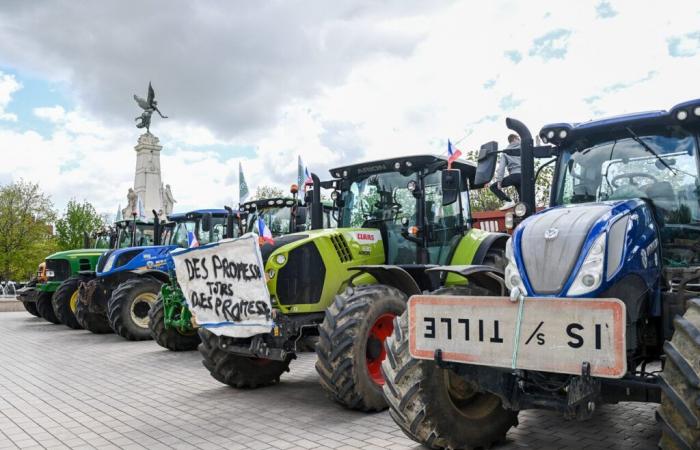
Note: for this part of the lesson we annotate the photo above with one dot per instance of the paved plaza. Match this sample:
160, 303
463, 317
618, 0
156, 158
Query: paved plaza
61, 388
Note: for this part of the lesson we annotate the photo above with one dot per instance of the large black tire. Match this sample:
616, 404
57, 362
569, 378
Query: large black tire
129, 306
679, 412
238, 371
434, 406
94, 322
31, 308
169, 338
351, 345
45, 308
65, 302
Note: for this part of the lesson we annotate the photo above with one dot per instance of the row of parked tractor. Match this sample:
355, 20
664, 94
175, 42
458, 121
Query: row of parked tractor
410, 307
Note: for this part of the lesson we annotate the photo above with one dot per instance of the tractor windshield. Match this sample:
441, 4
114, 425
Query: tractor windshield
102, 240
277, 218
659, 165
144, 234
179, 235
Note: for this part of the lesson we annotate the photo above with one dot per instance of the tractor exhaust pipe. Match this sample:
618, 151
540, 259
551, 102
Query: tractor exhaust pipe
316, 206
527, 164
156, 228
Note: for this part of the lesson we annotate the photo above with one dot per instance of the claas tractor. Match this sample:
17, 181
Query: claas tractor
338, 290
129, 279
60, 274
171, 322
602, 289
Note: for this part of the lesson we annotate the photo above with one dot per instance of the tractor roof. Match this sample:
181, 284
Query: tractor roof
125, 222
276, 202
685, 114
404, 164
198, 213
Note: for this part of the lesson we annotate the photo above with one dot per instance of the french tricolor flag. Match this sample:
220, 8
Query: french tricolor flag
192, 240
264, 232
452, 154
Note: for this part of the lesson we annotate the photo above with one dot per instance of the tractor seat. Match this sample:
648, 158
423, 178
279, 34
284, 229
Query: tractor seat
662, 195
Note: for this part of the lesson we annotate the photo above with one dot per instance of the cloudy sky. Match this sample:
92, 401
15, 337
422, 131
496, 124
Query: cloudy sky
335, 82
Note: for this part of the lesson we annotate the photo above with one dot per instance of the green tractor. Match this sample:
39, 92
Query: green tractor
338, 290
60, 274
171, 321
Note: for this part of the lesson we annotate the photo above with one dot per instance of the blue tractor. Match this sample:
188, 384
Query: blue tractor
129, 279
597, 304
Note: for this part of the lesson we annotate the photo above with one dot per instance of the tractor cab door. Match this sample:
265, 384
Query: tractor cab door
443, 221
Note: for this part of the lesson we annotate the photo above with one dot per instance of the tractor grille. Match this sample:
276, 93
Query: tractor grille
60, 268
84, 264
341, 247
300, 281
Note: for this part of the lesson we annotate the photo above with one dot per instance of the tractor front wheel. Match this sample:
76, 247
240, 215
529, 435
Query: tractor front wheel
169, 337
129, 306
350, 349
679, 412
436, 407
236, 370
92, 321
31, 308
45, 308
65, 302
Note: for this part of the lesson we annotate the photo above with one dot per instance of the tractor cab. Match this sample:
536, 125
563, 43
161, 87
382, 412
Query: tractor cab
207, 225
420, 209
133, 233
281, 215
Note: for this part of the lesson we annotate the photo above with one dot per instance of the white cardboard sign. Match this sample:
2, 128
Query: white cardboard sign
224, 286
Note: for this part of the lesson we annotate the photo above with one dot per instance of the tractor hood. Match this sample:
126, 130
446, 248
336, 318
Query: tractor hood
577, 250
134, 258
78, 253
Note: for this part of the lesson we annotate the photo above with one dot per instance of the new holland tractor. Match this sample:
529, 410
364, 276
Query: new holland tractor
60, 274
338, 290
602, 304
128, 280
171, 321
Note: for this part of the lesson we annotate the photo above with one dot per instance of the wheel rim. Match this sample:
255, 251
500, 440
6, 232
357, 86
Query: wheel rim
466, 400
140, 307
74, 301
375, 354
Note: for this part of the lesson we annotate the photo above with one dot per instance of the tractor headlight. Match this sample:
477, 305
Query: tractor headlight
696, 111
510, 221
280, 259
590, 275
682, 115
109, 263
520, 210
512, 276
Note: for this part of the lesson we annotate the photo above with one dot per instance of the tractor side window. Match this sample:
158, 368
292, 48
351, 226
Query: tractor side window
218, 227
180, 233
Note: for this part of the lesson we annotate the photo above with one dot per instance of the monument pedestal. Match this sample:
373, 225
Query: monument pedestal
147, 182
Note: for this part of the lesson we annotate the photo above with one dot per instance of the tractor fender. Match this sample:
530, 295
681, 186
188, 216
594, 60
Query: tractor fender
157, 274
492, 240
391, 276
486, 276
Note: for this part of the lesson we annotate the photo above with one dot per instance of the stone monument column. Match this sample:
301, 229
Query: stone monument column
147, 182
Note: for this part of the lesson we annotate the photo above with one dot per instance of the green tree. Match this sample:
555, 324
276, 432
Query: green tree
25, 231
78, 219
265, 191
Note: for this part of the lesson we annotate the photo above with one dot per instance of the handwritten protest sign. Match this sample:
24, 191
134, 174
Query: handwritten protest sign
224, 286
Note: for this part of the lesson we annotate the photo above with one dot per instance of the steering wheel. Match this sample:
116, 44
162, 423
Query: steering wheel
631, 176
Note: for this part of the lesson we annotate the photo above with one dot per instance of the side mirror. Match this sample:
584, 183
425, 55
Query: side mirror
300, 221
450, 186
486, 164
206, 222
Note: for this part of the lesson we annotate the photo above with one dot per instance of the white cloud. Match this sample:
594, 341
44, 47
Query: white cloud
8, 86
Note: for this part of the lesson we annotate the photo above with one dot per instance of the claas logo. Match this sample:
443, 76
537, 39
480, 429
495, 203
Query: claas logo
365, 237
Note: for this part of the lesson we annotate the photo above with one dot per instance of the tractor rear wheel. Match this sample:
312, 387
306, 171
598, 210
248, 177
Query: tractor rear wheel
92, 321
236, 370
65, 302
436, 407
31, 308
350, 349
45, 308
679, 412
129, 306
170, 338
